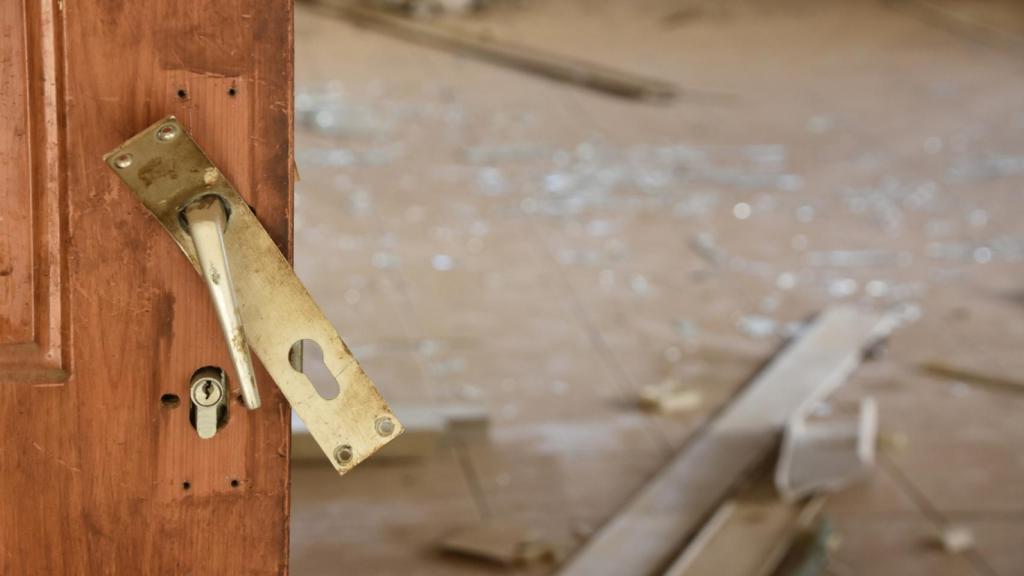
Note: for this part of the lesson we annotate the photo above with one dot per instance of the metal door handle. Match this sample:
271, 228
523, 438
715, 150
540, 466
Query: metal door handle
260, 302
206, 219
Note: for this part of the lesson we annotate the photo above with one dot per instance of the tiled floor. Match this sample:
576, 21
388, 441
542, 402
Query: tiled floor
481, 235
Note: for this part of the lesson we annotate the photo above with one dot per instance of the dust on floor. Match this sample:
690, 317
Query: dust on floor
481, 235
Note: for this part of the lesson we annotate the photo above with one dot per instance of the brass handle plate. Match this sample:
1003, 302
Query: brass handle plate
167, 171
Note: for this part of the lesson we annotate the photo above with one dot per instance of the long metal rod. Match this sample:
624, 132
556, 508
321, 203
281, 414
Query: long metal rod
206, 220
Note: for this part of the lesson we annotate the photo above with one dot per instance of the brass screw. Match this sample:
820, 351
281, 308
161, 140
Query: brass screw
167, 132
343, 454
123, 161
385, 426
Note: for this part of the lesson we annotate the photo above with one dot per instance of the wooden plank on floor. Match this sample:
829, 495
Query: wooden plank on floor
748, 536
653, 527
950, 371
554, 67
825, 453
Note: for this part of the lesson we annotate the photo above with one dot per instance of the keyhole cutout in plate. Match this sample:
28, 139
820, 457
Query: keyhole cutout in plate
207, 389
316, 370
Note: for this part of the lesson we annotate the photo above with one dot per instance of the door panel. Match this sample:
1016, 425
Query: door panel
31, 258
101, 316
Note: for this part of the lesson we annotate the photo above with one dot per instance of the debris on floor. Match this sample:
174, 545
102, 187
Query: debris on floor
809, 554
577, 72
502, 542
970, 376
426, 8
750, 535
827, 448
481, 233
673, 505
893, 441
670, 397
956, 539
467, 421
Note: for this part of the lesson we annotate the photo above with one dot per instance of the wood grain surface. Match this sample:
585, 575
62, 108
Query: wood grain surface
100, 314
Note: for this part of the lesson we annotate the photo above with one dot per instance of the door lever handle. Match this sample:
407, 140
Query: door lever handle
260, 302
205, 219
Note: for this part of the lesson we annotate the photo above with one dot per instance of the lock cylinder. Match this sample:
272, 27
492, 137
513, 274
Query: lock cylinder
208, 392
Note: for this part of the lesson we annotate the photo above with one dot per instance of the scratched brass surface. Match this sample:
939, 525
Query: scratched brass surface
275, 308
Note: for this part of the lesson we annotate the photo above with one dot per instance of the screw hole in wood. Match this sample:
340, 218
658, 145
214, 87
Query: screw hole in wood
170, 400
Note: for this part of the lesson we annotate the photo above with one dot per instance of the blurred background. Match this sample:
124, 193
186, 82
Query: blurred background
561, 235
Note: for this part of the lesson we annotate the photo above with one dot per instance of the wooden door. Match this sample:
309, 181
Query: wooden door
102, 320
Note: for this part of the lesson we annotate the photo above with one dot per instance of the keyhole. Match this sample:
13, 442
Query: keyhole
207, 389
316, 370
